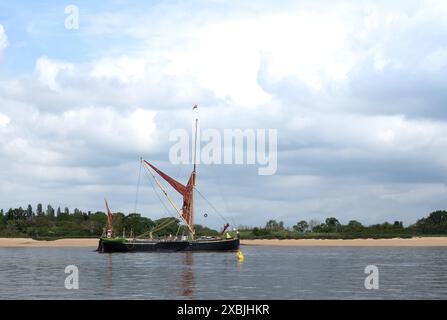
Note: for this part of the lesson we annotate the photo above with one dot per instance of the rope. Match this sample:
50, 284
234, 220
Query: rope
219, 186
164, 207
158, 196
211, 205
163, 225
138, 187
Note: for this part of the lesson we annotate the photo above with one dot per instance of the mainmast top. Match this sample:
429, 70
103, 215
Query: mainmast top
195, 139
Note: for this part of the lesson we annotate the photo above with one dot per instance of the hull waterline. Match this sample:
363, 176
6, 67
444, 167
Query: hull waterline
124, 245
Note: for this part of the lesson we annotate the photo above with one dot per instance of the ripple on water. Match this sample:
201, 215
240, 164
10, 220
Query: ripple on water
266, 273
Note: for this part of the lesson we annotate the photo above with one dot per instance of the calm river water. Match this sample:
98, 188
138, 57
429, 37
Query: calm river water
266, 273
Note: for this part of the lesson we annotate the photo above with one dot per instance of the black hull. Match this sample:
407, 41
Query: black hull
107, 246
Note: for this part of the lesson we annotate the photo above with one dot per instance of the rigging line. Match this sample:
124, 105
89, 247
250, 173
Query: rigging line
159, 227
158, 196
138, 186
219, 186
211, 205
163, 224
170, 200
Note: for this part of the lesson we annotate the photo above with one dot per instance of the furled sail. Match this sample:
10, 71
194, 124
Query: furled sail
185, 191
109, 220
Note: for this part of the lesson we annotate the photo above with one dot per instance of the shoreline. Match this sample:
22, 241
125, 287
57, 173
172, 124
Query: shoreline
394, 242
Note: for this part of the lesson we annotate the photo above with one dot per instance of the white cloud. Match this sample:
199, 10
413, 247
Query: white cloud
125, 69
3, 39
436, 61
103, 128
67, 138
48, 70
4, 120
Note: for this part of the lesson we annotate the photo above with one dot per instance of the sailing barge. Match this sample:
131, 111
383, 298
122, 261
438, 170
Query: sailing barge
225, 242
148, 245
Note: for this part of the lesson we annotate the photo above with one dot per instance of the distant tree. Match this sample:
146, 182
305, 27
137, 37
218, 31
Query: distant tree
436, 222
58, 212
20, 213
354, 225
398, 225
63, 215
50, 211
39, 211
273, 225
2, 220
332, 225
15, 214
301, 226
320, 228
313, 224
97, 222
77, 214
204, 231
29, 211
118, 222
171, 223
438, 217
10, 214
386, 226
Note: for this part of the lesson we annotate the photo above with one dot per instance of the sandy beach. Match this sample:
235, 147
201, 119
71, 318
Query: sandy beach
27, 242
397, 242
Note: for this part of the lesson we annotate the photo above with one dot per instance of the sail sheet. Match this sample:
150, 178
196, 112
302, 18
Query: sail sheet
185, 191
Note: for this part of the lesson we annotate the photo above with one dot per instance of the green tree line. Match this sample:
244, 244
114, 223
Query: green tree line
63, 223
434, 224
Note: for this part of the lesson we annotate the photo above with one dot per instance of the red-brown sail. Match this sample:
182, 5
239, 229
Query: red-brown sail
185, 191
187, 212
109, 220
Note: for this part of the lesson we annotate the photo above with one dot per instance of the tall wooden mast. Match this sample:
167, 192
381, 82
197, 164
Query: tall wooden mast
193, 179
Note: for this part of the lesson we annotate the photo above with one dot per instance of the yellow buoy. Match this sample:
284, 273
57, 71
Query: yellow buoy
240, 255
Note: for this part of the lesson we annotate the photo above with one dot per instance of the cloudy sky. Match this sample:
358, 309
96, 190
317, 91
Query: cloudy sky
356, 89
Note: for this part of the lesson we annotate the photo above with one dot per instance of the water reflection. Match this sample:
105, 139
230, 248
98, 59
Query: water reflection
109, 273
187, 282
